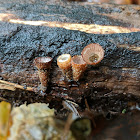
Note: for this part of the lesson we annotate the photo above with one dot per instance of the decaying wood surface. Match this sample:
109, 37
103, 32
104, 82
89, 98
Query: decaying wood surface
55, 27
123, 80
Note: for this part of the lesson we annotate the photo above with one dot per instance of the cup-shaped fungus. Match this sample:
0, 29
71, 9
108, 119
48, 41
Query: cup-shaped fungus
43, 65
64, 63
78, 67
92, 54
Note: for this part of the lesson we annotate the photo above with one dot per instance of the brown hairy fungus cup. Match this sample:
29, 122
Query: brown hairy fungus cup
64, 63
93, 54
78, 67
43, 65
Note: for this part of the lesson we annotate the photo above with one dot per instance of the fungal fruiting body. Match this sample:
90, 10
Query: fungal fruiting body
64, 63
43, 65
93, 54
78, 67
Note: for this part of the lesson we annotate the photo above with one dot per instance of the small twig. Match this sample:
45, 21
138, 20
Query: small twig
87, 106
67, 126
90, 113
15, 86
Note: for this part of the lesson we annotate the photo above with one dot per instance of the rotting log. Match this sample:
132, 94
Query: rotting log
62, 27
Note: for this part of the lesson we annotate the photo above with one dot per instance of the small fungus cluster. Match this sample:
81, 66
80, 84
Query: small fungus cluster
43, 65
72, 67
64, 63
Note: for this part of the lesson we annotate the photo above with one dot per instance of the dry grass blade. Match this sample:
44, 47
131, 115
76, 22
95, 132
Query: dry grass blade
70, 106
8, 87
13, 86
